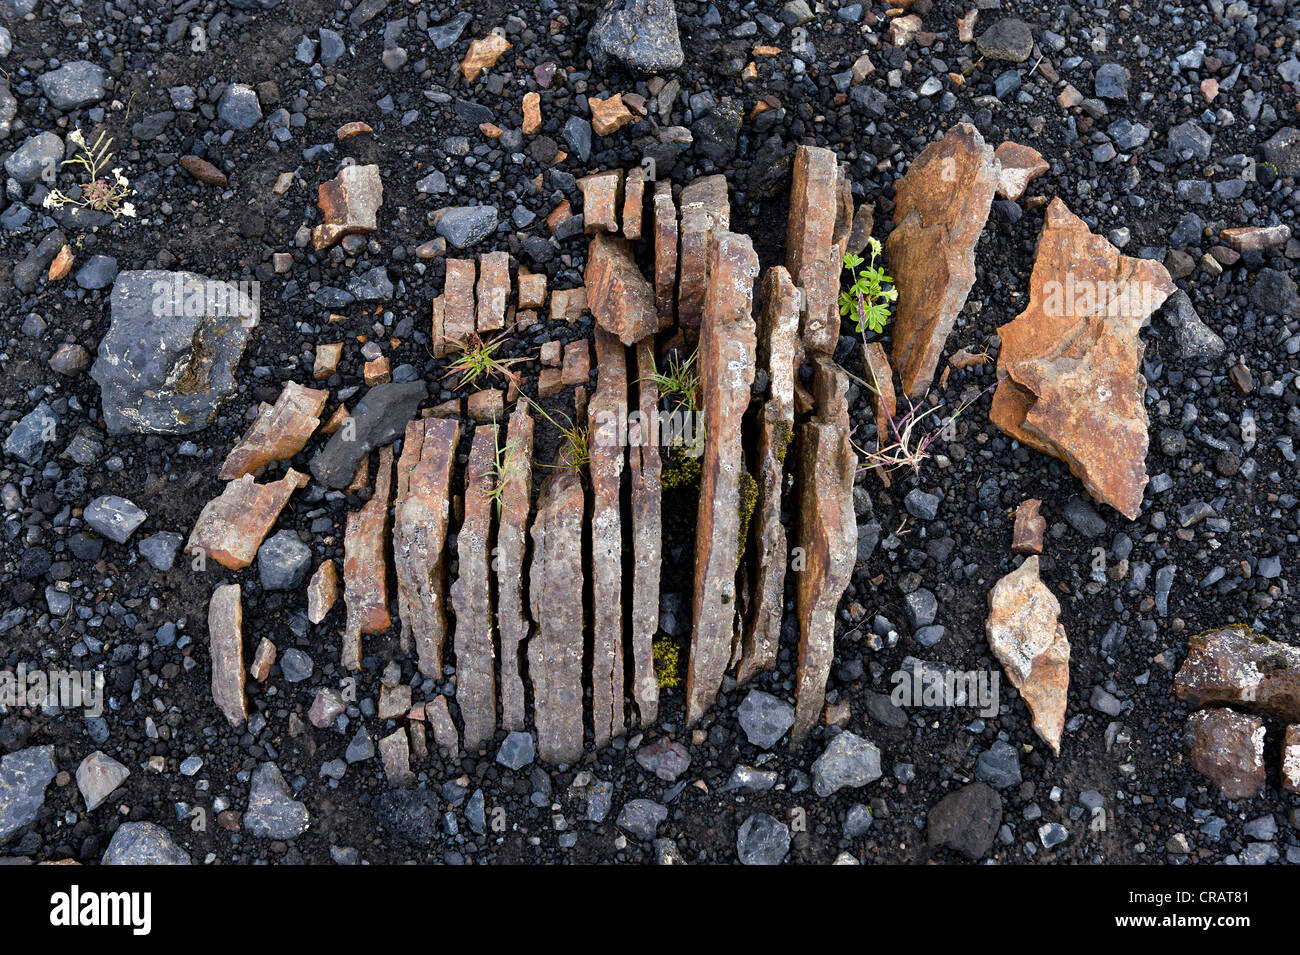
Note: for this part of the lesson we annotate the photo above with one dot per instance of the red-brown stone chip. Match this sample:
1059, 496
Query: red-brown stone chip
279, 432
471, 596
365, 569
231, 527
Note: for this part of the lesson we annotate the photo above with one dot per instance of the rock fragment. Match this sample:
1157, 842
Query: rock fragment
1027, 533
226, 649
705, 210
279, 432
639, 34
817, 234
493, 291
1018, 166
645, 468
113, 517
272, 811
602, 194
322, 590
848, 762
350, 204
966, 821
97, 776
618, 295
143, 843
378, 419
471, 596
1233, 665
1227, 748
483, 55
665, 242
365, 566
231, 527
512, 547
24, 776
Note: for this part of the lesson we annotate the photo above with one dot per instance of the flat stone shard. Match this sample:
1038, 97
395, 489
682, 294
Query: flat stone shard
169, 357
1291, 760
777, 343
665, 225
633, 202
1227, 748
512, 547
618, 295
884, 400
378, 419
602, 194
1233, 665
279, 432
493, 291
445, 735
645, 467
705, 210
1018, 166
1071, 361
459, 313
817, 234
555, 594
471, 597
483, 55
350, 204
604, 411
941, 205
1027, 534
726, 363
226, 649
420, 517
24, 776
1027, 640
365, 566
232, 526
322, 591
828, 536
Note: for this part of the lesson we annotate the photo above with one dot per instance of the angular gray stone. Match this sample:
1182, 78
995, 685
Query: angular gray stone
113, 517
143, 843
377, 419
98, 272
639, 34
999, 766
966, 821
1194, 338
465, 226
642, 818
1008, 39
23, 778
283, 561
27, 440
238, 107
764, 718
517, 750
849, 761
762, 840
38, 157
272, 812
1282, 149
97, 776
160, 549
73, 85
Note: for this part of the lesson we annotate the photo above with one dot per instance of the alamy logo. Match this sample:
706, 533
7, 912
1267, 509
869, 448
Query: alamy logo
930, 686
681, 427
178, 297
66, 689
76, 908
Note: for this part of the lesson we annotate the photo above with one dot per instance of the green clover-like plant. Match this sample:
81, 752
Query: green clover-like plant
871, 293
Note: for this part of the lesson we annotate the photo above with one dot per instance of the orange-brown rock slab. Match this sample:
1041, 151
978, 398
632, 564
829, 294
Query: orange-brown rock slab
471, 596
365, 566
618, 295
445, 734
705, 210
608, 115
1227, 748
226, 648
532, 113
279, 432
322, 590
1027, 532
665, 240
532, 289
884, 400
1232, 666
1031, 645
459, 319
483, 55
727, 363
941, 205
493, 291
350, 204
420, 517
646, 469
512, 546
633, 202
602, 194
817, 234
231, 527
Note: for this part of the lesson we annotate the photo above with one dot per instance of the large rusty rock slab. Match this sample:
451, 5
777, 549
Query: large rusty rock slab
1235, 666
232, 526
604, 412
226, 649
555, 594
365, 565
665, 239
512, 545
420, 517
726, 363
705, 210
828, 537
817, 234
941, 205
493, 291
459, 319
778, 344
618, 295
279, 432
350, 204
646, 470
471, 597
1072, 359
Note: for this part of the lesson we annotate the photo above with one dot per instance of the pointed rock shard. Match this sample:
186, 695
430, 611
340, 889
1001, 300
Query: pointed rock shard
1227, 748
665, 222
555, 594
602, 194
884, 400
365, 571
1237, 667
378, 419
1072, 385
231, 527
778, 344
817, 234
350, 203
226, 648
828, 536
645, 468
439, 327
604, 411
444, 729
1027, 534
1018, 166
420, 518
941, 205
618, 296
458, 322
483, 55
279, 432
1027, 640
471, 598
493, 291
726, 363
633, 202
705, 210
322, 591
512, 546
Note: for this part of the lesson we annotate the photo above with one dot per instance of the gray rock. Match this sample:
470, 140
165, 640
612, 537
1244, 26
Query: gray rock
999, 765
378, 419
764, 718
332, 47
113, 517
143, 843
1189, 141
160, 549
921, 607
97, 777
283, 561
272, 812
1275, 293
238, 107
1083, 517
849, 761
27, 439
169, 358
295, 665
1193, 337
921, 505
445, 34
639, 34
98, 272
35, 264
747, 777
517, 750
1008, 39
1189, 231
1111, 82
1127, 135
762, 840
8, 109
465, 226
966, 821
1282, 149
857, 821
642, 818
665, 758
360, 748
23, 778
73, 85
36, 159
6, 42
577, 134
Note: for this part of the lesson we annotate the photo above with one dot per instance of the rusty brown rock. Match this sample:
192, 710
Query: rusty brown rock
532, 289
365, 568
555, 595
602, 194
1227, 748
777, 344
532, 113
1018, 166
941, 206
884, 400
1291, 760
665, 225
420, 518
263, 660
203, 171
349, 130
1031, 645
471, 597
864, 223
486, 405
618, 295
445, 735
322, 590
231, 527
226, 649
726, 367
350, 204
608, 115
568, 304
483, 55
458, 312
633, 202
1072, 385
327, 360
62, 264
1255, 238
493, 290
1027, 533
279, 432
395, 755
705, 210
817, 234
1233, 665
645, 468
828, 537
512, 546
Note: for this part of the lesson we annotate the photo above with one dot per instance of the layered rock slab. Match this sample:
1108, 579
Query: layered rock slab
645, 468
1235, 666
350, 204
512, 612
817, 235
705, 210
471, 596
365, 565
226, 650
232, 526
279, 432
618, 295
664, 211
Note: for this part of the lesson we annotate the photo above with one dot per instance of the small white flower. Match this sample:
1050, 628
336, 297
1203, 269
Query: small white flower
76, 137
49, 202
128, 210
